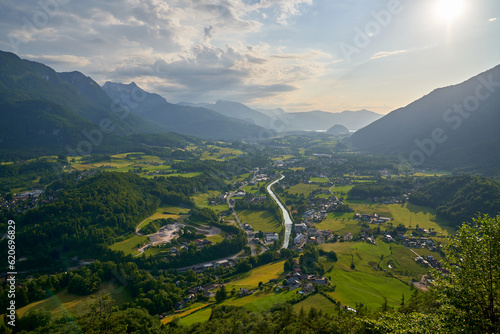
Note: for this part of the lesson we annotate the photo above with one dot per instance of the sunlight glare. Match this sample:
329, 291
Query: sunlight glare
449, 9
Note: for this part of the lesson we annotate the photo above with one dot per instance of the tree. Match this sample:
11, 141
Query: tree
471, 290
221, 294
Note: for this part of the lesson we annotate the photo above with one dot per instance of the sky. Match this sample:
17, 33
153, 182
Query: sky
299, 55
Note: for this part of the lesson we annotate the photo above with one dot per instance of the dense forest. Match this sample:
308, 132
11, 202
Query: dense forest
459, 198
99, 209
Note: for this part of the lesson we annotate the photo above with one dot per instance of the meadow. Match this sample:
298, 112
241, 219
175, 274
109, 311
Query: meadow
64, 303
260, 220
261, 274
303, 189
358, 287
319, 302
129, 246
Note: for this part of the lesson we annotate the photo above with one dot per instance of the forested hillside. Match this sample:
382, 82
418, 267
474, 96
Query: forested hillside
458, 199
101, 208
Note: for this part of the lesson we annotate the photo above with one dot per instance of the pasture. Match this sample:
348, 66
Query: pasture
260, 220
261, 274
319, 302
66, 303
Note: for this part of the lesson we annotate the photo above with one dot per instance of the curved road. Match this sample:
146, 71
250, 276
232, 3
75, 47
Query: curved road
286, 215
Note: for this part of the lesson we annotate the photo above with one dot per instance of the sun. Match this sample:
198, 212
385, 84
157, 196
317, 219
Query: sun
449, 10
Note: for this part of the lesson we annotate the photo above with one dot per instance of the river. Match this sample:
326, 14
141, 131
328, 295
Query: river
286, 216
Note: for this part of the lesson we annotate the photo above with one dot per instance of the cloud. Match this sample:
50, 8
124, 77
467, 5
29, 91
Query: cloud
283, 10
52, 60
492, 19
183, 49
384, 54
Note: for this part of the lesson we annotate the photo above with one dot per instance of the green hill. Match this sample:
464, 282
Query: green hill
459, 199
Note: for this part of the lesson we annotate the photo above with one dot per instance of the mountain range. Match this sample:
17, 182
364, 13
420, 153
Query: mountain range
184, 119
45, 112
281, 121
455, 126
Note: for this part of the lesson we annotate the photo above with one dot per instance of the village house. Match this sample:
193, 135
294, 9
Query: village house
271, 236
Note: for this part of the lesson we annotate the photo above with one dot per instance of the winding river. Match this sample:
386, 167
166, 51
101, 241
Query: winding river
286, 216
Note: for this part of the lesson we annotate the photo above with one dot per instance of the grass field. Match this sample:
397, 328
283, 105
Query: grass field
216, 238
200, 316
64, 302
261, 300
434, 173
357, 287
319, 179
129, 246
319, 302
261, 274
202, 200
367, 256
402, 214
260, 220
256, 302
305, 189
341, 190
191, 309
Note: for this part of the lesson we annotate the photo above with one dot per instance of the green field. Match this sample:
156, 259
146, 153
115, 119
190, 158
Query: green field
261, 300
433, 173
406, 214
319, 179
341, 190
216, 238
302, 188
319, 302
367, 256
260, 220
358, 287
67, 303
202, 200
166, 211
129, 246
185, 312
261, 274
256, 302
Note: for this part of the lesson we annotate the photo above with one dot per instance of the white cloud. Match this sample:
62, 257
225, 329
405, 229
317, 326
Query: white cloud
492, 19
52, 60
384, 54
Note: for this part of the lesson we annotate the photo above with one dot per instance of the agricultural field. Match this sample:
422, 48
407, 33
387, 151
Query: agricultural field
261, 274
202, 200
129, 246
165, 211
217, 238
217, 153
319, 179
408, 214
370, 290
260, 300
251, 190
390, 257
433, 173
66, 303
340, 190
130, 161
304, 189
339, 226
260, 220
191, 309
319, 302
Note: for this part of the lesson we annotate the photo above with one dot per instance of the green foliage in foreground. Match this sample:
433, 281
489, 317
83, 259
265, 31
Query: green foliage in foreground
464, 300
